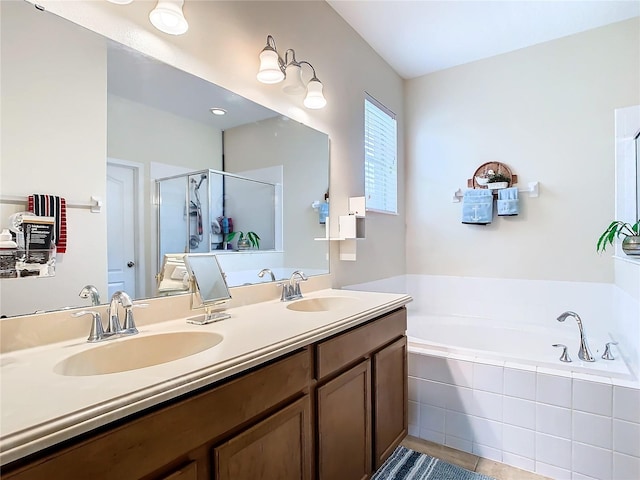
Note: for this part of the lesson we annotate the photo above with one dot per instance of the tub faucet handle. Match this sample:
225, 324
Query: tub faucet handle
565, 354
607, 355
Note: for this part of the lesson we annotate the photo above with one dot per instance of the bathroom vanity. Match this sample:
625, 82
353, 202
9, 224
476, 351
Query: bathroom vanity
311, 394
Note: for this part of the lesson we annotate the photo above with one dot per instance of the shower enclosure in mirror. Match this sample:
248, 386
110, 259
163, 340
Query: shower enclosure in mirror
84, 116
198, 210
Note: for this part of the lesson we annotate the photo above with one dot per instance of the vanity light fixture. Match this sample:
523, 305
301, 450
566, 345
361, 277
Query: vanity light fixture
273, 69
168, 17
218, 111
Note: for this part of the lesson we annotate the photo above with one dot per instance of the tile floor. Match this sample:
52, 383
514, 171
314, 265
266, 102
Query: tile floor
497, 470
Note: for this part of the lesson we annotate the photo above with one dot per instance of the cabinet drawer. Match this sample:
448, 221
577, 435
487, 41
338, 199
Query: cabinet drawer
342, 350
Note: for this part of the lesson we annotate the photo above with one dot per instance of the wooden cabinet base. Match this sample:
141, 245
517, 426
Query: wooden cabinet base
262, 425
278, 447
391, 399
344, 425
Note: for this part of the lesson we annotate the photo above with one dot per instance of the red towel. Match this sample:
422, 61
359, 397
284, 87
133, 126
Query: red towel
56, 207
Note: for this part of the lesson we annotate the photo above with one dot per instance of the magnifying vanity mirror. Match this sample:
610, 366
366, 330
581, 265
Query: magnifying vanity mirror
83, 116
210, 287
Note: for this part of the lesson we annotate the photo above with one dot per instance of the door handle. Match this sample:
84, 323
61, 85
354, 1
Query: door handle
130, 264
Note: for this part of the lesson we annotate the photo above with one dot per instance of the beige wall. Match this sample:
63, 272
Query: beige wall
223, 44
546, 111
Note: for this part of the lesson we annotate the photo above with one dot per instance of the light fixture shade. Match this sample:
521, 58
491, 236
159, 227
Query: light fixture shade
314, 99
293, 80
269, 67
121, 2
168, 17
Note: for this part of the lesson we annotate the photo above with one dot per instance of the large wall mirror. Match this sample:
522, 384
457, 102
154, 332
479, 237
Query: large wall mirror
83, 116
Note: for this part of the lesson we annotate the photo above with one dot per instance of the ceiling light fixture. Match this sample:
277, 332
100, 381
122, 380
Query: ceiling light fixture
168, 17
273, 69
121, 2
218, 111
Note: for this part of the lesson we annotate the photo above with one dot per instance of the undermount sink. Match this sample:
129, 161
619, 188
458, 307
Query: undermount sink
131, 353
322, 304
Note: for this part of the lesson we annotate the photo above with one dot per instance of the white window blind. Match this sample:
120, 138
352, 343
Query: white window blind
380, 157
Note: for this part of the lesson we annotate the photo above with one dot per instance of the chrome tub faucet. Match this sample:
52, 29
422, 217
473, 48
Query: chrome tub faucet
584, 353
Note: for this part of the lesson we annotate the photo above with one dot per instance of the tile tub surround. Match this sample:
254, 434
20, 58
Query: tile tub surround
41, 408
561, 425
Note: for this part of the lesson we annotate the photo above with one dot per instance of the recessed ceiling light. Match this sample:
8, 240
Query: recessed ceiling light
218, 111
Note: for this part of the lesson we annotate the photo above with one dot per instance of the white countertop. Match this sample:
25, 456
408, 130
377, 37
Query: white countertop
39, 408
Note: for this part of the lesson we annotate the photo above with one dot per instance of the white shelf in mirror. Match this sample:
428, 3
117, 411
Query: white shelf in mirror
351, 228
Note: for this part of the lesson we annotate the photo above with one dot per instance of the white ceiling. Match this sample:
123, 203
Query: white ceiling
417, 37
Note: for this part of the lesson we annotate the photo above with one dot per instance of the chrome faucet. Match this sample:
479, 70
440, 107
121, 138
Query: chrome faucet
114, 327
262, 272
89, 291
584, 353
291, 290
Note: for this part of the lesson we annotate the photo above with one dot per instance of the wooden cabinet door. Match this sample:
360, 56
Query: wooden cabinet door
390, 399
278, 447
344, 425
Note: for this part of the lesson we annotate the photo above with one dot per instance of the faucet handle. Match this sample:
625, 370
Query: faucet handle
129, 326
294, 282
607, 355
97, 331
565, 355
286, 293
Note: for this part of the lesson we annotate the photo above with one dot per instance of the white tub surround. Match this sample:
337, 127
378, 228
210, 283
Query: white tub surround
498, 341
485, 379
41, 408
607, 310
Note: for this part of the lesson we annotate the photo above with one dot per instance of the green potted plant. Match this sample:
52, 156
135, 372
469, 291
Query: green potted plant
497, 180
617, 229
245, 240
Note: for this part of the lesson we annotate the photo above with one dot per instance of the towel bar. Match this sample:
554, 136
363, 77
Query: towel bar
533, 191
95, 205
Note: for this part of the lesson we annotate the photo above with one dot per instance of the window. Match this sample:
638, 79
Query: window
380, 157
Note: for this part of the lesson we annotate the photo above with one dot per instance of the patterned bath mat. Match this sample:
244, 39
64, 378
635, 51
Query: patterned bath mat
406, 464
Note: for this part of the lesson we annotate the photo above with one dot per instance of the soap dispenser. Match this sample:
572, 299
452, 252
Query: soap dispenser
8, 255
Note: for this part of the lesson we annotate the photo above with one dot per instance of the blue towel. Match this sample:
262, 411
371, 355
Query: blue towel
508, 203
477, 206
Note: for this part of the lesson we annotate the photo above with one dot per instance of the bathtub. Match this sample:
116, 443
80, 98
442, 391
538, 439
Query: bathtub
484, 338
499, 391
484, 378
